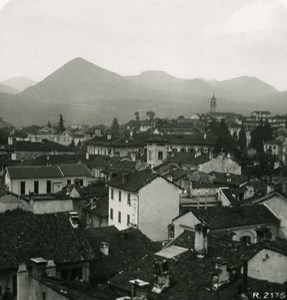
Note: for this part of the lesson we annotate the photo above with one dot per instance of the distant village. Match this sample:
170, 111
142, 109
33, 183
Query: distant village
188, 208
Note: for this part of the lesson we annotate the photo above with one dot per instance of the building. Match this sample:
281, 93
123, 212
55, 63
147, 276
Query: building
24, 150
277, 203
249, 224
213, 104
116, 250
222, 164
56, 237
202, 264
145, 200
159, 147
45, 179
261, 115
115, 146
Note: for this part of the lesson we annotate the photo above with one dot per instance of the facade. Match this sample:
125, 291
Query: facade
222, 164
45, 179
248, 224
26, 150
113, 146
277, 203
144, 200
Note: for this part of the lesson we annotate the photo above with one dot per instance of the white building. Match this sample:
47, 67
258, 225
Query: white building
23, 180
145, 200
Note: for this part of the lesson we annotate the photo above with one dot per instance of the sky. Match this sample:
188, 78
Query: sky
212, 39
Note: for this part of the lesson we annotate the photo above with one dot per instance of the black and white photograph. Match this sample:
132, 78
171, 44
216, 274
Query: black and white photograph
143, 149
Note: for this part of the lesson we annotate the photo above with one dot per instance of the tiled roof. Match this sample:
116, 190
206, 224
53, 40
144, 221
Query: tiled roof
62, 170
228, 217
46, 146
24, 235
125, 247
34, 172
116, 142
191, 277
133, 182
229, 179
71, 170
187, 158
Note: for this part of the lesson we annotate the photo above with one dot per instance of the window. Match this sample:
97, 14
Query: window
23, 187
120, 217
49, 190
246, 240
111, 214
160, 155
68, 181
36, 187
129, 199
112, 194
81, 182
128, 219
120, 196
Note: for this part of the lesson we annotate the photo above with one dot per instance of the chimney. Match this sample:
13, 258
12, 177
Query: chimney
22, 282
104, 248
51, 268
38, 267
200, 242
162, 276
245, 276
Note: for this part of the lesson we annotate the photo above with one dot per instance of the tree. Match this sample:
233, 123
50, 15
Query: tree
72, 145
137, 116
261, 134
115, 126
150, 114
61, 126
242, 138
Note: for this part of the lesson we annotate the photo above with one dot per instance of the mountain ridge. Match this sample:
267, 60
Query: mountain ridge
81, 91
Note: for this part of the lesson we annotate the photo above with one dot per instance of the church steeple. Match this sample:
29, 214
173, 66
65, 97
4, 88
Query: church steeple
213, 104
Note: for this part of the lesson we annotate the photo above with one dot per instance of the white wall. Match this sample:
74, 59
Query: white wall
268, 265
52, 206
158, 205
187, 220
57, 184
123, 207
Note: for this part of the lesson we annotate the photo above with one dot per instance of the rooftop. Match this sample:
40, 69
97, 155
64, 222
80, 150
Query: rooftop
51, 236
133, 182
62, 170
228, 217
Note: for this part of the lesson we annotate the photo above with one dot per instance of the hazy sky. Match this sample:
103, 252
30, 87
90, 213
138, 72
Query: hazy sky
209, 39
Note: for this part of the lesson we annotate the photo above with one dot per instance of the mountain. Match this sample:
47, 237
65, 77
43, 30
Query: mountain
233, 89
7, 89
82, 82
84, 92
247, 86
162, 81
19, 83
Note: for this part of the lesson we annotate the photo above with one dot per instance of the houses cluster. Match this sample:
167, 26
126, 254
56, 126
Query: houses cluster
147, 213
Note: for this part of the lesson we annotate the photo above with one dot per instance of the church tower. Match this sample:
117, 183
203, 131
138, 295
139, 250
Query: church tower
213, 104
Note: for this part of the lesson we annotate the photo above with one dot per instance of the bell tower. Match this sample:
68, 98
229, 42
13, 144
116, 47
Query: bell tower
213, 104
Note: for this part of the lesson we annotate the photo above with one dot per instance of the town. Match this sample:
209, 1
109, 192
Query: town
187, 208
143, 150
